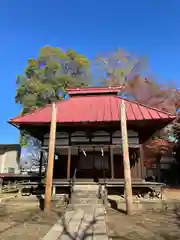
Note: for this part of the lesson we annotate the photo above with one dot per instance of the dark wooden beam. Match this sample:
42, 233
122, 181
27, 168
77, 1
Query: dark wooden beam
112, 161
34, 131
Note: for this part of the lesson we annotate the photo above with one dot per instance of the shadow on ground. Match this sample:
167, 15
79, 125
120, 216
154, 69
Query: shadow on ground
31, 215
38, 216
114, 205
148, 225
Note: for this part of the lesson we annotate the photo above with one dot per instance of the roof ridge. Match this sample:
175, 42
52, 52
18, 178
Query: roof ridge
96, 87
93, 90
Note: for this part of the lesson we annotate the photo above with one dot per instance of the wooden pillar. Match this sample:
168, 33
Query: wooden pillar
127, 169
49, 173
69, 163
112, 161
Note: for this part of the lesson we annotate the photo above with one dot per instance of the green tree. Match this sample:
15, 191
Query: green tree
47, 77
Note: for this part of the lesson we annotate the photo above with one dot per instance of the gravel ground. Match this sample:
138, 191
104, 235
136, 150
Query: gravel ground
22, 219
150, 225
171, 193
146, 226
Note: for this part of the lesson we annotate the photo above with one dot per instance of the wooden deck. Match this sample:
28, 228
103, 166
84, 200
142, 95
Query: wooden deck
135, 183
113, 186
110, 183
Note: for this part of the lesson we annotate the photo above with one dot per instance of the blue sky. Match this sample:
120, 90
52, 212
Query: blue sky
148, 28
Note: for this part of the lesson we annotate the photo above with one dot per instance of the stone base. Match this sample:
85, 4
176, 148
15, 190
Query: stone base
141, 206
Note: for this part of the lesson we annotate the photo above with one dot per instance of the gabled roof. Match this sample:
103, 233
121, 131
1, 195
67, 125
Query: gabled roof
91, 109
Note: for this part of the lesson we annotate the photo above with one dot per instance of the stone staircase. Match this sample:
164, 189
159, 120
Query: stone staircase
85, 196
85, 216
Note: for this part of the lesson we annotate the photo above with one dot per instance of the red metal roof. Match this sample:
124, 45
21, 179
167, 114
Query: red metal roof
95, 108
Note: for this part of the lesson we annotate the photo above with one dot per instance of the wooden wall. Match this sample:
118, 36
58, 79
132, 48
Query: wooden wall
90, 171
93, 138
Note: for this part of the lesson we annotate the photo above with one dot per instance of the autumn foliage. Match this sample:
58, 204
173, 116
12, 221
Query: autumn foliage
155, 149
167, 99
126, 70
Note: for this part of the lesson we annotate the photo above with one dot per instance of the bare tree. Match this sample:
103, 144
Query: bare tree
119, 67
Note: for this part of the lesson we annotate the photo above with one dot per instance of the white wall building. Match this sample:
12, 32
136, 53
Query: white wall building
10, 158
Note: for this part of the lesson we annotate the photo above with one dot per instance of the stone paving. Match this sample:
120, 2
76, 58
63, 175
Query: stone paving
79, 224
84, 219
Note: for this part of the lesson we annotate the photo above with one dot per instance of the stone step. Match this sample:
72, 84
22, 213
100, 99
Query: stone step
90, 187
90, 196
86, 183
91, 200
85, 207
86, 204
84, 196
85, 190
86, 200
